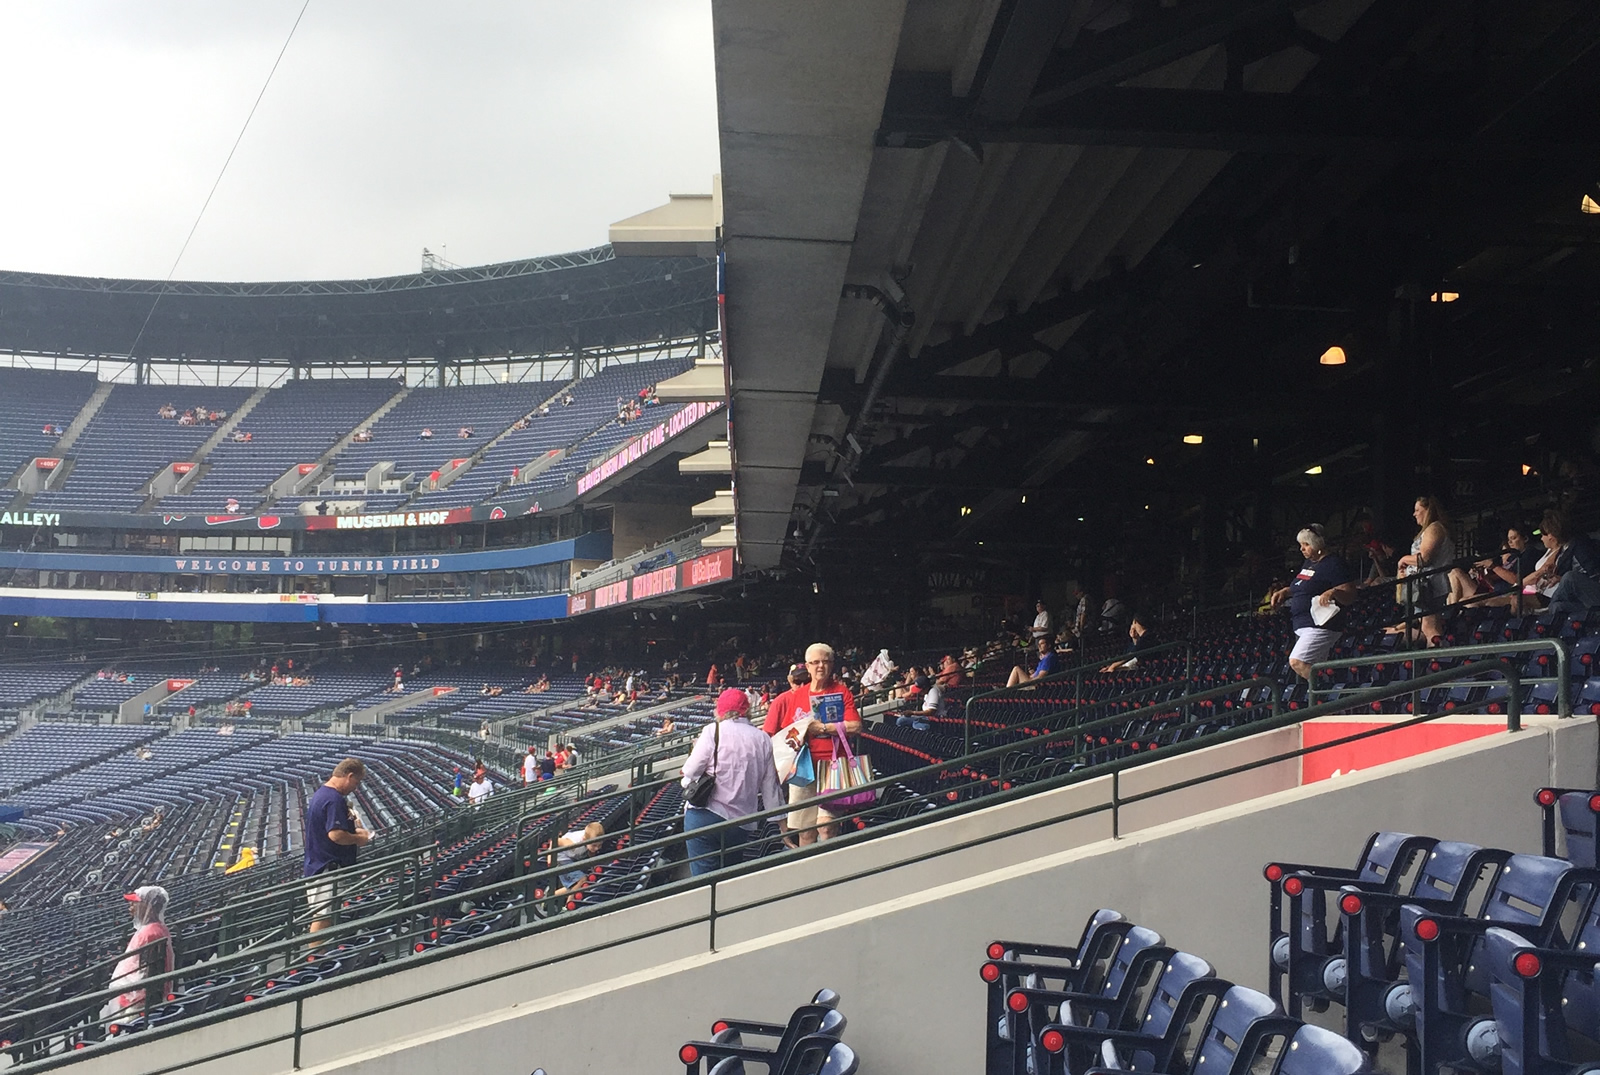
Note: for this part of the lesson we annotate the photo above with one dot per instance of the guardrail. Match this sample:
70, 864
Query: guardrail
1562, 678
56, 1031
1076, 673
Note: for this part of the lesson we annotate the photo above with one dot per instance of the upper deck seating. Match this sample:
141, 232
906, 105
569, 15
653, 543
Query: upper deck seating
127, 443
295, 423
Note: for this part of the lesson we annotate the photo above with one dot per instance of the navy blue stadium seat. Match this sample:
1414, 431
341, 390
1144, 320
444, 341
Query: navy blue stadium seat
1302, 944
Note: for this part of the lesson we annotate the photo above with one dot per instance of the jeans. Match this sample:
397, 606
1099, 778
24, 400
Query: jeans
714, 850
1575, 594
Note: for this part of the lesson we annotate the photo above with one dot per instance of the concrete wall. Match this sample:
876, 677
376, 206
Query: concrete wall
637, 526
902, 943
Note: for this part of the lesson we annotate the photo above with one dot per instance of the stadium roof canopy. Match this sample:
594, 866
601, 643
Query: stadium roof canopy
539, 306
980, 248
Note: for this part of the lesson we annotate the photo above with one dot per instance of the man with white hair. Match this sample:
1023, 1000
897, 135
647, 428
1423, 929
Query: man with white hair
1317, 596
832, 709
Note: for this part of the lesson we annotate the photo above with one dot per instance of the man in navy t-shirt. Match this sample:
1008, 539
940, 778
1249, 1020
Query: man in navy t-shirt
332, 836
1323, 580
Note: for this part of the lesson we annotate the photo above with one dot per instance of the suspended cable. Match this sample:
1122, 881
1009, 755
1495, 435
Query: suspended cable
133, 350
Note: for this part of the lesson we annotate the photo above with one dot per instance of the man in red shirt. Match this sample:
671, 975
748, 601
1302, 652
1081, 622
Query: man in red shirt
828, 701
949, 673
797, 699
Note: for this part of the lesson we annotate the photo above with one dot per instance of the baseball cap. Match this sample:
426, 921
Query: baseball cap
732, 700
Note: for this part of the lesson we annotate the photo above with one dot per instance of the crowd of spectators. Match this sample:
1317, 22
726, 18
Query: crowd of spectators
194, 416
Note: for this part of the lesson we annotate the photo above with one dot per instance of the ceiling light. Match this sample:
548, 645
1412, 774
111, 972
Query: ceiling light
1024, 498
1526, 470
1589, 205
1314, 470
1150, 460
1445, 296
1333, 356
965, 510
1193, 438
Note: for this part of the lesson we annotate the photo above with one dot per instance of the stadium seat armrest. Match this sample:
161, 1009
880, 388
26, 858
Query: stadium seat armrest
1391, 900
1058, 996
745, 1026
1050, 951
1561, 959
1304, 871
712, 1051
1012, 968
1095, 1035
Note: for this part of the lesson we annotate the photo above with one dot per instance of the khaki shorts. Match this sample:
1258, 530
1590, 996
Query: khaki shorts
804, 816
321, 898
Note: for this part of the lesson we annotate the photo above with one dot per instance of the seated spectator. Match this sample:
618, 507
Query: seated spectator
465, 433
425, 434
363, 436
544, 409
566, 400
667, 727
1139, 638
949, 673
1045, 665
575, 846
929, 702
232, 505
167, 411
1504, 573
1575, 569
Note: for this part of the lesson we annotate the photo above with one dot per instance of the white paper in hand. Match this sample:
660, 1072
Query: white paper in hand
1321, 613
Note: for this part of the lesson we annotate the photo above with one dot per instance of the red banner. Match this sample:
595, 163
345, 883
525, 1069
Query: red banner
176, 685
655, 583
704, 570
306, 468
47, 464
182, 468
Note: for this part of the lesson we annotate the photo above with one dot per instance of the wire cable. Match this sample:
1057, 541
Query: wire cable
132, 351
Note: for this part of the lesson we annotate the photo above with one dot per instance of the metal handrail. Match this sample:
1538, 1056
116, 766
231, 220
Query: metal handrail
1077, 671
1562, 678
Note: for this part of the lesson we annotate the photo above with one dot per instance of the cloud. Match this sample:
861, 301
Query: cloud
484, 130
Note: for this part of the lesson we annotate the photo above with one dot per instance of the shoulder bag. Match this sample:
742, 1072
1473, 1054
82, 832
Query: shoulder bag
698, 793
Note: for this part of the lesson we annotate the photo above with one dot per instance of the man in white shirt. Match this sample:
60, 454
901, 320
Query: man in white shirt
530, 766
1042, 627
479, 790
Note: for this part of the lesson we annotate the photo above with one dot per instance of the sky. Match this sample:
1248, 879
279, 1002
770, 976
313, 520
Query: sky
484, 130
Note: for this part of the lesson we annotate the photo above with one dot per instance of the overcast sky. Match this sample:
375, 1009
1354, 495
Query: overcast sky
486, 130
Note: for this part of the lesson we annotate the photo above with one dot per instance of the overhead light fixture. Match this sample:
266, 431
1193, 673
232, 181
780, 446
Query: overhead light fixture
1149, 460
1024, 498
1314, 470
1193, 438
1589, 205
965, 510
1445, 296
1527, 470
1333, 356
